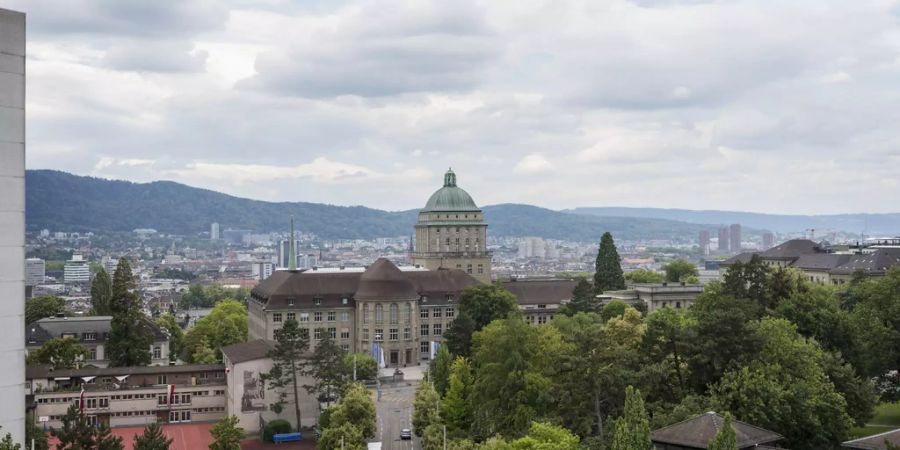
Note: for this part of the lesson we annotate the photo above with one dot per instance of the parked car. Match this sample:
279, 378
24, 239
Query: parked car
405, 434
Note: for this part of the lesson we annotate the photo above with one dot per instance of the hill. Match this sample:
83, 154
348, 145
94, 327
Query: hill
852, 223
62, 201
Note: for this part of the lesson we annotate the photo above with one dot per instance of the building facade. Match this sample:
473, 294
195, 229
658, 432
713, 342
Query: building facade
214, 231
35, 271
704, 242
451, 233
12, 221
734, 235
77, 270
723, 239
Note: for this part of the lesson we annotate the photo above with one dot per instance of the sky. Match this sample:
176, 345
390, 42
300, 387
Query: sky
768, 106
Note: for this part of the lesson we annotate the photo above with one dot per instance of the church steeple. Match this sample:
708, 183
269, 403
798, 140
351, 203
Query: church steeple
449, 178
292, 263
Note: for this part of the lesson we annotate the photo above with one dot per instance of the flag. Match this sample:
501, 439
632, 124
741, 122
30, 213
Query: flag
171, 390
434, 348
81, 402
378, 354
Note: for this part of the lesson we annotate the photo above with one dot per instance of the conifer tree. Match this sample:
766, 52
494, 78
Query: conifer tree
583, 299
130, 337
725, 439
608, 275
152, 439
291, 344
440, 369
327, 367
76, 432
456, 408
106, 440
101, 293
633, 428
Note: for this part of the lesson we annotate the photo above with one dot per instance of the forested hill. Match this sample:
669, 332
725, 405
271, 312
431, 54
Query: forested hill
62, 201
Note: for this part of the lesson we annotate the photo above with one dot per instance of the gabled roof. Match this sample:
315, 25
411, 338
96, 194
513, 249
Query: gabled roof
742, 258
821, 261
696, 432
534, 292
248, 351
36, 333
875, 442
877, 262
792, 249
384, 281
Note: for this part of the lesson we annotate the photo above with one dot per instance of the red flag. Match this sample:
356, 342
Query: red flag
171, 389
81, 402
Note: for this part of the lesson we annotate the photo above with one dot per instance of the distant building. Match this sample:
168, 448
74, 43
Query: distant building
540, 299
704, 242
77, 270
734, 235
532, 247
768, 241
262, 270
654, 296
91, 332
109, 264
696, 433
35, 271
235, 236
723, 239
130, 396
214, 231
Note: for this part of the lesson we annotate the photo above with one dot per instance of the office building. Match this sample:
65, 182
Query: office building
35, 271
109, 264
262, 270
12, 222
704, 242
214, 231
77, 270
768, 241
723, 239
532, 247
734, 237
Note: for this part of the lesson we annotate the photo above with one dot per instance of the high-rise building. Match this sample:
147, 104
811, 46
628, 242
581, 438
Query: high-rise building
532, 247
451, 233
283, 253
12, 223
77, 270
723, 239
768, 241
214, 231
35, 270
262, 270
704, 242
109, 264
735, 237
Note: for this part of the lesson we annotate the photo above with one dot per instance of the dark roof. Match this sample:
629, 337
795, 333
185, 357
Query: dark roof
876, 441
739, 258
36, 333
384, 281
792, 249
820, 261
332, 287
44, 371
877, 262
248, 351
533, 292
698, 431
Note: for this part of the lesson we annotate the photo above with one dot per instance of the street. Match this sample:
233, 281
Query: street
394, 412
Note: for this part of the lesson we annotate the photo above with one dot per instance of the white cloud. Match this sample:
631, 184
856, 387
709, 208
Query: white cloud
532, 164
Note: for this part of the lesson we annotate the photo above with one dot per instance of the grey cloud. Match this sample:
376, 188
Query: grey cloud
158, 56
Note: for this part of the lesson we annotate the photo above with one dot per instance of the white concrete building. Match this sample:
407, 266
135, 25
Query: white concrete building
214, 231
35, 270
77, 270
12, 222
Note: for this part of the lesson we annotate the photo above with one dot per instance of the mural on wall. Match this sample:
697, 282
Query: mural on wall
254, 398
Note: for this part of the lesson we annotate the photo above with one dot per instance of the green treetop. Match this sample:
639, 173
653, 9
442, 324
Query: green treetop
101, 294
725, 439
633, 428
608, 269
152, 438
680, 270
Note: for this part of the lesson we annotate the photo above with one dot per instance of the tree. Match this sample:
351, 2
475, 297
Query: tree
42, 307
544, 436
633, 428
583, 299
169, 323
130, 336
152, 438
440, 370
747, 281
32, 431
484, 303
680, 269
225, 325
76, 432
425, 408
433, 437
725, 439
61, 353
7, 443
203, 354
326, 367
612, 309
666, 345
608, 269
456, 407
366, 367
458, 337
346, 436
288, 357
101, 294
106, 440
356, 408
227, 435
644, 276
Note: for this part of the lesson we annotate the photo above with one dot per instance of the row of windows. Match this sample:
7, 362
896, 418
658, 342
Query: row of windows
393, 334
436, 312
393, 312
317, 301
162, 379
458, 229
331, 316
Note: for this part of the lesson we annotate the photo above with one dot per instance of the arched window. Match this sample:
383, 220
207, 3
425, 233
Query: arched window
393, 313
408, 312
379, 314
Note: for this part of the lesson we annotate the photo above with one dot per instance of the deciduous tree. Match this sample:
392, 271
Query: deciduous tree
101, 294
679, 269
61, 353
227, 434
440, 370
41, 307
457, 410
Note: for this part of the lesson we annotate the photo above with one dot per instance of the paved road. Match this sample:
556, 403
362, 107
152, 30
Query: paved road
394, 412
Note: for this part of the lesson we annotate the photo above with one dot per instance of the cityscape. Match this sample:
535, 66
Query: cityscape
413, 225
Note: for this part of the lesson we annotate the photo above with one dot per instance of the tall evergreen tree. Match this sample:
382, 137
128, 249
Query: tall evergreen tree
327, 368
288, 358
633, 428
130, 336
725, 439
440, 370
152, 439
106, 440
608, 275
101, 293
76, 432
583, 299
456, 408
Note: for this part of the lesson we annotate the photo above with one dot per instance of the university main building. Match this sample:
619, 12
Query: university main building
403, 309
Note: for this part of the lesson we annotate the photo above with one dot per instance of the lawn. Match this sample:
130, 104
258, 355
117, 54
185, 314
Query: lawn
887, 418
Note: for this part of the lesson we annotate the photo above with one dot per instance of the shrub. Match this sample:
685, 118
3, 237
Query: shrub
274, 427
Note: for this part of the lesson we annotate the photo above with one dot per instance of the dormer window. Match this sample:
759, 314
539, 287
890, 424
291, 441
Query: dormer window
290, 302
89, 336
317, 301
345, 300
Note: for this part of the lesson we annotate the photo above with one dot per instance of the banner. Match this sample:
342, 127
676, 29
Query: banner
434, 348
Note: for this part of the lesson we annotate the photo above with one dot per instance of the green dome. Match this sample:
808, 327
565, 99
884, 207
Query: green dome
450, 197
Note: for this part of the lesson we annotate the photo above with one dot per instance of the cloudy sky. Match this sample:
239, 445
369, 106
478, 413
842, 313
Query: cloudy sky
772, 106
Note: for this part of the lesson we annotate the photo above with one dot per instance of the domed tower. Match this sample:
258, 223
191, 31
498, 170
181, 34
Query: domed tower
451, 233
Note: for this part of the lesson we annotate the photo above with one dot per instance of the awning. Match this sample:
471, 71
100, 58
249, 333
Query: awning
61, 379
121, 377
87, 379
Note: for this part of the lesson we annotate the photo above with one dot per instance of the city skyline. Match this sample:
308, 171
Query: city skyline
646, 104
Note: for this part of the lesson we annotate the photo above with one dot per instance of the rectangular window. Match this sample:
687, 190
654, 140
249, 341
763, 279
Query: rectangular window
345, 300
162, 399
90, 336
331, 316
393, 335
345, 333
379, 334
93, 352
276, 317
449, 297
345, 347
318, 334
332, 331
290, 302
161, 379
317, 316
423, 347
542, 306
437, 329
423, 313
104, 402
291, 316
541, 320
345, 316
469, 269
436, 312
157, 352
304, 317
480, 268
317, 301
365, 334
450, 313
423, 329
406, 334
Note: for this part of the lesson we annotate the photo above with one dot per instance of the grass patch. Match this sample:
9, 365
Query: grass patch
887, 418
